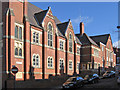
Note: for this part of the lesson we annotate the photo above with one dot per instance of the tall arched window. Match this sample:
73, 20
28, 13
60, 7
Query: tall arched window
70, 42
16, 31
34, 60
37, 61
50, 35
20, 52
16, 51
20, 33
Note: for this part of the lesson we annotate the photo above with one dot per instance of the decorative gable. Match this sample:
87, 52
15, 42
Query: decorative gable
49, 14
70, 25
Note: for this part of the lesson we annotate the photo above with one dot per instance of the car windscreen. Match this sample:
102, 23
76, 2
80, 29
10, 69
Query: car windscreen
95, 75
80, 78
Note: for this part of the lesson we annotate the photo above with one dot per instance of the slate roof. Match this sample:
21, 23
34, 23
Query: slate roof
77, 40
57, 21
85, 39
40, 16
101, 38
32, 9
63, 27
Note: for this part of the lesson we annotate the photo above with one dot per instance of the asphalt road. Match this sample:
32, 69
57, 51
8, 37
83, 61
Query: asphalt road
103, 84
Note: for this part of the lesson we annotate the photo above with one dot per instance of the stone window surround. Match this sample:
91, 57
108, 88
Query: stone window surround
35, 66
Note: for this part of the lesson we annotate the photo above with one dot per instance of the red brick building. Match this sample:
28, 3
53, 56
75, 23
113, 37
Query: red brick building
117, 52
40, 45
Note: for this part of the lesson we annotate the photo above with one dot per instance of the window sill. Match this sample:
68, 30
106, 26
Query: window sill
36, 67
20, 57
50, 68
19, 39
70, 69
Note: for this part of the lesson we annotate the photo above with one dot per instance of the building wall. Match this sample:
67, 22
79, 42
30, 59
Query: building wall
15, 16
61, 55
77, 58
49, 51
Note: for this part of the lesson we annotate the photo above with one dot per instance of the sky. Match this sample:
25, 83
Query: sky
98, 17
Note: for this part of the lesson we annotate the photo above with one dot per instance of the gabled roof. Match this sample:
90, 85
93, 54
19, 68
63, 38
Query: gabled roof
60, 34
85, 39
57, 21
101, 38
77, 40
63, 27
40, 16
32, 9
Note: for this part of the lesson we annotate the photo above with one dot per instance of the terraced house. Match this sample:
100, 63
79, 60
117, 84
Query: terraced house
36, 42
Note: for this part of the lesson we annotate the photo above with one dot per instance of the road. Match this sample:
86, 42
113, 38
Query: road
104, 84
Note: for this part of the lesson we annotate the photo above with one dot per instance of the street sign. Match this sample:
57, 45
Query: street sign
14, 69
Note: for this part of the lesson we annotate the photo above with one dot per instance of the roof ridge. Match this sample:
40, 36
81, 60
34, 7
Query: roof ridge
63, 22
34, 5
99, 35
90, 39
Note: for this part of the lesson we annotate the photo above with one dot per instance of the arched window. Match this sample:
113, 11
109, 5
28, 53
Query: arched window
50, 27
20, 33
50, 35
34, 37
16, 31
36, 61
20, 52
16, 51
50, 62
61, 64
70, 42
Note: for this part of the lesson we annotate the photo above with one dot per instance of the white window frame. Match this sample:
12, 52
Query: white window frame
49, 64
78, 65
19, 26
78, 51
70, 42
61, 45
70, 67
50, 35
60, 62
35, 39
18, 45
36, 66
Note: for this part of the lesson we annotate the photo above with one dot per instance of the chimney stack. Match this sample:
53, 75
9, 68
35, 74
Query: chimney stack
81, 28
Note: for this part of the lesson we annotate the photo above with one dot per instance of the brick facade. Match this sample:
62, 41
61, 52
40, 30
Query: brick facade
40, 49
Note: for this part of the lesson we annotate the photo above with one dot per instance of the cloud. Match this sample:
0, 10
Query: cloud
117, 44
84, 19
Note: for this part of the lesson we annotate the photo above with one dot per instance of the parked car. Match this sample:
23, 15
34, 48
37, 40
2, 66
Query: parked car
91, 78
118, 80
109, 74
74, 82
